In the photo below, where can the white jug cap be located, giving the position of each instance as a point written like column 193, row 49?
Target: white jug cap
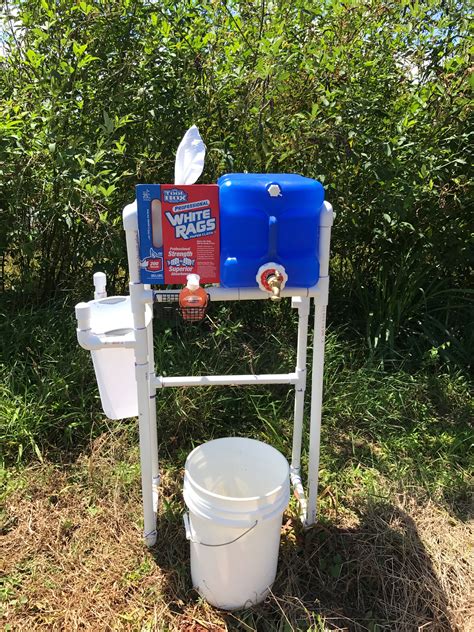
column 193, row 281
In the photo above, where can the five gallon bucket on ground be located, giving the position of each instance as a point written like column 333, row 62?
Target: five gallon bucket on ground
column 236, row 490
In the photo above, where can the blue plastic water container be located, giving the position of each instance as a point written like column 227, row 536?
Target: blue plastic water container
column 265, row 218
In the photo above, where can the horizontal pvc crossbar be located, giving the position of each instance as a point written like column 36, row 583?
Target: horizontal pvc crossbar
column 245, row 293
column 227, row 380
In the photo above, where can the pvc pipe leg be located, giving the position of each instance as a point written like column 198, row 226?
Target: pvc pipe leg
column 316, row 408
column 303, row 313
column 149, row 516
column 295, row 468
column 142, row 369
column 155, row 472
column 295, row 471
column 144, row 373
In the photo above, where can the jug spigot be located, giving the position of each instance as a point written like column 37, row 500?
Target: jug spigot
column 274, row 283
column 272, row 277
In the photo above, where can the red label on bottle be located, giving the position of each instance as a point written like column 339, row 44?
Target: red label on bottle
column 190, row 219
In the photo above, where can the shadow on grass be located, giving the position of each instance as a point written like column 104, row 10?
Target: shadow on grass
column 373, row 576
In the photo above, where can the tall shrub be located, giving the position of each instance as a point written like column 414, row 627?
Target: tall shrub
column 370, row 97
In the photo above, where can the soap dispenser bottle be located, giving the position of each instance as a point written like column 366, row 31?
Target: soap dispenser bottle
column 193, row 299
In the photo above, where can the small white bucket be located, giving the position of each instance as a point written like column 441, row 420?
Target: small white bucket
column 115, row 367
column 236, row 490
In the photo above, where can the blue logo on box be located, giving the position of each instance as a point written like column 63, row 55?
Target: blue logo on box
column 175, row 196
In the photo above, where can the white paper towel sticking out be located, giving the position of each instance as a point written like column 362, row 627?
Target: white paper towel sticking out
column 189, row 157
column 187, row 169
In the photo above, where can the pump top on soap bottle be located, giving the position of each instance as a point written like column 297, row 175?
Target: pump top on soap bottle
column 193, row 282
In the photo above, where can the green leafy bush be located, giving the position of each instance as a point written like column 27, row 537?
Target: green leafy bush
column 370, row 97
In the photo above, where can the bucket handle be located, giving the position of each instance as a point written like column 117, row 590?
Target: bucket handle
column 189, row 535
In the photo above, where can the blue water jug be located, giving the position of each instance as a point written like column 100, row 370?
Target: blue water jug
column 265, row 218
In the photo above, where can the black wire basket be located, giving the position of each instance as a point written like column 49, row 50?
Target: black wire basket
column 168, row 309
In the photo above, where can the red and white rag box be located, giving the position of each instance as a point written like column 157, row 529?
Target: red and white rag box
column 185, row 236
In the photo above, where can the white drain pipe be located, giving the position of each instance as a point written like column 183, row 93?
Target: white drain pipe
column 302, row 304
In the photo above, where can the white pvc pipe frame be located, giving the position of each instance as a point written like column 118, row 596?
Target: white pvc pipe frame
column 148, row 382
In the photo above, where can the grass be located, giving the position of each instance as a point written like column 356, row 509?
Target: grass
column 390, row 551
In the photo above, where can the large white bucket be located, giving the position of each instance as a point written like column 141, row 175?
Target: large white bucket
column 115, row 367
column 236, row 490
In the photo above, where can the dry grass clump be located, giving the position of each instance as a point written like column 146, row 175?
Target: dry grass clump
column 73, row 559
